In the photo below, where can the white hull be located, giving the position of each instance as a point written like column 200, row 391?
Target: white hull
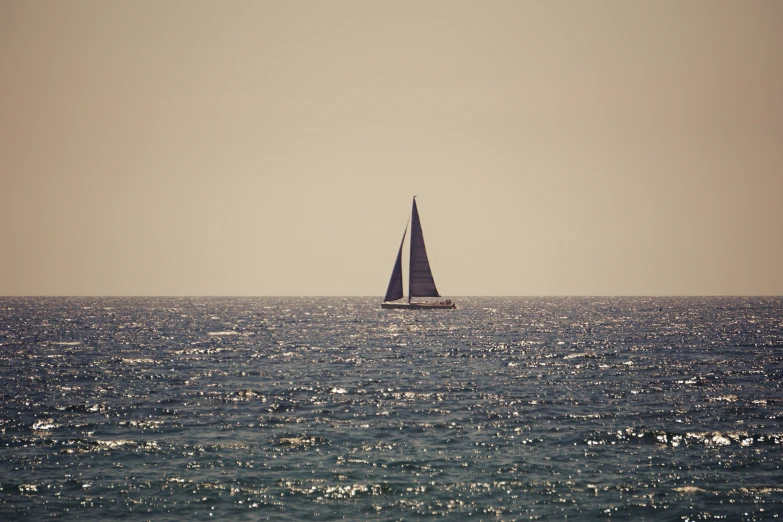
column 418, row 306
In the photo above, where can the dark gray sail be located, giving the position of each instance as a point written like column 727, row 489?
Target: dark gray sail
column 394, row 291
column 420, row 281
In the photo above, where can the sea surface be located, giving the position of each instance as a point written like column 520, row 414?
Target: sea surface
column 331, row 408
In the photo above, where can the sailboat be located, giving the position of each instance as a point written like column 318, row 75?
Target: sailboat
column 420, row 280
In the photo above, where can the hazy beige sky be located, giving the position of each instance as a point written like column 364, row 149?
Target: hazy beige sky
column 272, row 148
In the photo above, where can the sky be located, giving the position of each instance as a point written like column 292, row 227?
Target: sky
column 567, row 147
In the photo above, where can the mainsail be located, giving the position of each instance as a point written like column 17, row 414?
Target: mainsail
column 394, row 291
column 420, row 281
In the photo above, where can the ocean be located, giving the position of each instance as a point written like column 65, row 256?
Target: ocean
column 326, row 408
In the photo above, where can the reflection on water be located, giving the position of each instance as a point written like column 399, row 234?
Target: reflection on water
column 300, row 408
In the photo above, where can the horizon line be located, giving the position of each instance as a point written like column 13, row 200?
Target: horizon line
column 233, row 296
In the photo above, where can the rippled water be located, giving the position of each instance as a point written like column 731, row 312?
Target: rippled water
column 310, row 408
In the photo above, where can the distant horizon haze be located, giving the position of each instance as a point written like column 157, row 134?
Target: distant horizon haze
column 254, row 148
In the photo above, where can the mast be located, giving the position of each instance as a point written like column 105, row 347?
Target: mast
column 420, row 280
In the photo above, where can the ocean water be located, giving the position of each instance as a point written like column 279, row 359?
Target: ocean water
column 330, row 408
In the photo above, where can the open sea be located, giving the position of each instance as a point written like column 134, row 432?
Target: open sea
column 331, row 408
